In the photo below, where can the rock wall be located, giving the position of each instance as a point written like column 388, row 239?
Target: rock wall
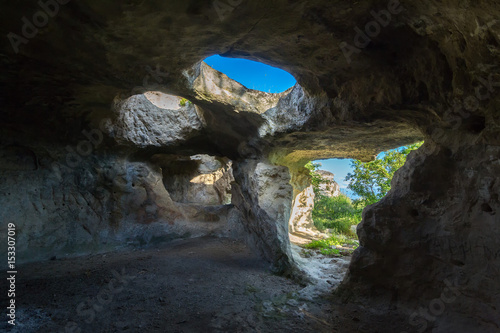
column 139, row 123
column 107, row 202
column 428, row 238
column 301, row 216
column 328, row 187
column 263, row 195
column 77, row 138
column 303, row 204
column 84, row 198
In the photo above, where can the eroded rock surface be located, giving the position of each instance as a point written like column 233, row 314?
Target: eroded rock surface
column 140, row 123
column 301, row 216
column 432, row 224
column 263, row 195
column 301, row 221
column 77, row 174
column 328, row 187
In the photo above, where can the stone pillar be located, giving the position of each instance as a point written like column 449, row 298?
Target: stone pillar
column 263, row 195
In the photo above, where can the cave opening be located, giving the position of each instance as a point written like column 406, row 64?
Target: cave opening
column 198, row 179
column 107, row 208
column 325, row 215
column 253, row 74
column 199, row 188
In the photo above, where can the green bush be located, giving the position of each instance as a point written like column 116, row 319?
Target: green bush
column 336, row 213
column 328, row 247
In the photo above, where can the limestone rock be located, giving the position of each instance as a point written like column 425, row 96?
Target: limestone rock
column 198, row 179
column 301, row 216
column 431, row 73
column 438, row 207
column 328, row 187
column 216, row 87
column 263, row 196
column 141, row 123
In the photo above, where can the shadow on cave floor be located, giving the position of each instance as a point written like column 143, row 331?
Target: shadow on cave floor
column 195, row 285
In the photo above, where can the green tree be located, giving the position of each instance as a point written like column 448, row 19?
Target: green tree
column 336, row 213
column 371, row 181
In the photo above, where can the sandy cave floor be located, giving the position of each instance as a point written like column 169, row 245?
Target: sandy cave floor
column 194, row 285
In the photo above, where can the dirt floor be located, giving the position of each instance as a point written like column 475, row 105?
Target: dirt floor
column 194, row 285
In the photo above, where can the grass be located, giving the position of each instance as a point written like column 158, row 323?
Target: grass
column 338, row 215
column 328, row 246
column 335, row 215
column 330, row 252
column 334, row 240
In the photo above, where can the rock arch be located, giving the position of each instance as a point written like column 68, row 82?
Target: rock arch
column 432, row 73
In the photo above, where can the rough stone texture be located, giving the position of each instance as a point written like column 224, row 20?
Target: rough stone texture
column 301, row 216
column 99, row 205
column 216, row 87
column 397, row 89
column 438, row 226
column 303, row 204
column 263, row 195
column 140, row 123
column 198, row 179
column 328, row 187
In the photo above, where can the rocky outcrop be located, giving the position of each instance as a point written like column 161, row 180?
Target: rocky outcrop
column 198, row 179
column 432, row 224
column 103, row 203
column 77, row 137
column 262, row 193
column 301, row 217
column 140, row 123
column 328, row 187
column 301, row 221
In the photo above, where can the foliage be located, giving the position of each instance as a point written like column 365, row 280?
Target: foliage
column 316, row 178
column 336, row 213
column 334, row 240
column 183, row 102
column 371, row 181
column 327, row 246
column 330, row 252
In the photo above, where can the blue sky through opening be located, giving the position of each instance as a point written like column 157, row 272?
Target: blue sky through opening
column 340, row 168
column 252, row 74
column 258, row 76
